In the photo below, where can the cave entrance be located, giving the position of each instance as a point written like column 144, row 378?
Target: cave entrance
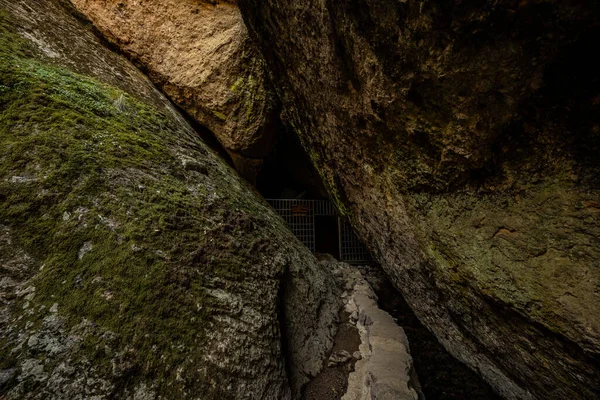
column 294, row 189
column 319, row 226
column 327, row 235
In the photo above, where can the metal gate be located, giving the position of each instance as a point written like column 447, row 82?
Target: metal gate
column 352, row 250
column 300, row 217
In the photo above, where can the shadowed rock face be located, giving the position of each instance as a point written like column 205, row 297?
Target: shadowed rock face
column 199, row 54
column 134, row 263
column 461, row 139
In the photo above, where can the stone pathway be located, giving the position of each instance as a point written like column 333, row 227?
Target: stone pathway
column 371, row 357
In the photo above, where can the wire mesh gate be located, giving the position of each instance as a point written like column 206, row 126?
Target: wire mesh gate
column 300, row 217
column 352, row 250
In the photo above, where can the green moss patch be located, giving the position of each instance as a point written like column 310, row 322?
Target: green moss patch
column 93, row 185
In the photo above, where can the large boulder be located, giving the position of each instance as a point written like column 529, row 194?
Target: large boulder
column 134, row 263
column 462, row 139
column 200, row 55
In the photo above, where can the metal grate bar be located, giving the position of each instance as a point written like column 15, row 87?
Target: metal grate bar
column 324, row 208
column 300, row 217
column 351, row 249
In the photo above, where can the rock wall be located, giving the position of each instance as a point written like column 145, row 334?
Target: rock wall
column 199, row 54
column 461, row 139
column 134, row 263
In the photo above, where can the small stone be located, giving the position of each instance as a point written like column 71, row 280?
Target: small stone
column 54, row 308
column 33, row 341
column 21, row 179
column 192, row 165
column 86, row 248
column 339, row 357
column 33, row 368
column 142, row 392
column 7, row 282
column 26, row 291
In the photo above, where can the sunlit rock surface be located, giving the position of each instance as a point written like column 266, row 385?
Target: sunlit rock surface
column 199, row 54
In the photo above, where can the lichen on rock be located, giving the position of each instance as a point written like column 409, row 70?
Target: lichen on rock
column 200, row 54
column 461, row 140
column 133, row 261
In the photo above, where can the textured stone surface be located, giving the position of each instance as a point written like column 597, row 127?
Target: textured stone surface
column 199, row 53
column 371, row 356
column 384, row 369
column 134, row 263
column 461, row 139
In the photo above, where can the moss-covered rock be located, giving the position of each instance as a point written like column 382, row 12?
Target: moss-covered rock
column 462, row 139
column 133, row 261
column 200, row 54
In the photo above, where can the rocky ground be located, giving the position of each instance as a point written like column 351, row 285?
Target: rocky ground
column 371, row 357
column 442, row 376
column 375, row 314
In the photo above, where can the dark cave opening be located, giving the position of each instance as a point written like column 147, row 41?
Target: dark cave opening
column 288, row 173
column 327, row 238
column 294, row 188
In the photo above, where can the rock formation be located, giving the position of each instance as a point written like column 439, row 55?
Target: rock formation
column 385, row 367
column 199, row 54
column 370, row 358
column 462, row 140
column 134, row 263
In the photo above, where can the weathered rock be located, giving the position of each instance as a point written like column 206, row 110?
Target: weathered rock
column 370, row 358
column 385, row 367
column 461, row 139
column 340, row 357
column 134, row 263
column 199, row 54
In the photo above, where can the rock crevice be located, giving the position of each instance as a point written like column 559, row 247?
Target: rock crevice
column 458, row 139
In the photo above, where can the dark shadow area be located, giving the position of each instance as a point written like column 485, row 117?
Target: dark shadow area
column 288, row 172
column 442, row 376
column 332, row 382
column 207, row 136
column 327, row 239
column 572, row 92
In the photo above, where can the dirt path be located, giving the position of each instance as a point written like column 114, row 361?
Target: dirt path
column 371, row 356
